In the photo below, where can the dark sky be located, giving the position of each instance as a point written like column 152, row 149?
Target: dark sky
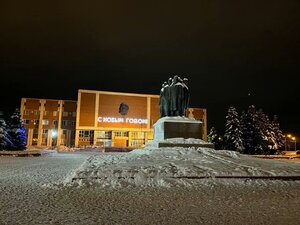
column 228, row 49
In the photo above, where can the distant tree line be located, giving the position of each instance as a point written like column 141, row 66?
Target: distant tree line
column 252, row 132
column 12, row 133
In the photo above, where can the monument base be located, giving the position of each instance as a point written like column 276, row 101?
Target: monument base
column 177, row 127
column 178, row 132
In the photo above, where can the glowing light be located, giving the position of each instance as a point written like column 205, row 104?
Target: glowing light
column 54, row 133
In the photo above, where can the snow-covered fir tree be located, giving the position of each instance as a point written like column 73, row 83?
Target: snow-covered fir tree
column 268, row 136
column 233, row 134
column 5, row 140
column 251, row 132
column 279, row 137
column 17, row 131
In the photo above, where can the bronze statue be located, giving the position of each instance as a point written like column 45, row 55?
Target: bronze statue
column 164, row 100
column 174, row 97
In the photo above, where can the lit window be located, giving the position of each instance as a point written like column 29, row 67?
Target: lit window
column 137, row 143
column 45, row 122
column 26, row 122
column 121, row 134
column 84, row 133
column 55, row 113
column 104, row 135
column 86, row 136
column 137, row 135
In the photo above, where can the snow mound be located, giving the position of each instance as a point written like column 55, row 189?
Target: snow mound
column 184, row 141
column 176, row 141
column 168, row 167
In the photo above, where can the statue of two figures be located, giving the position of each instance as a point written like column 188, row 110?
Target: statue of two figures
column 174, row 97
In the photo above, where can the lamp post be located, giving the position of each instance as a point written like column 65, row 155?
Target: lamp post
column 294, row 140
column 285, row 140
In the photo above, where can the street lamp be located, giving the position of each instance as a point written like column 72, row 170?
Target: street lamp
column 291, row 139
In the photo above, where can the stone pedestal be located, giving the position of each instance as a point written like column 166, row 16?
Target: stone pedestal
column 183, row 132
column 177, row 127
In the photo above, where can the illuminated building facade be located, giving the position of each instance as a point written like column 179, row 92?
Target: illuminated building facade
column 49, row 122
column 98, row 118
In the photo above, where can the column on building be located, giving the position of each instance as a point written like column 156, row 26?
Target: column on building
column 59, row 130
column 40, row 129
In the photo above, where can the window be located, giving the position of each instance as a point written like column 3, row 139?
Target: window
column 55, row 123
column 26, row 122
column 35, row 136
column 54, row 113
column 138, row 135
column 65, row 114
column 74, row 114
column 45, row 122
column 121, row 134
column 36, row 122
column 26, row 112
column 36, row 112
column 64, row 123
column 45, row 137
column 69, row 123
column 137, row 143
column 86, row 136
column 46, row 113
column 86, row 133
column 104, row 135
column 73, row 123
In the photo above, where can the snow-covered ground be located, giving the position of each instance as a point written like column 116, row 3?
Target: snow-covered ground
column 169, row 167
column 32, row 190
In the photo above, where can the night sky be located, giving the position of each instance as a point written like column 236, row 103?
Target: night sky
column 233, row 52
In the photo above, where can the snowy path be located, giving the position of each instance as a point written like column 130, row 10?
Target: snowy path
column 48, row 169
